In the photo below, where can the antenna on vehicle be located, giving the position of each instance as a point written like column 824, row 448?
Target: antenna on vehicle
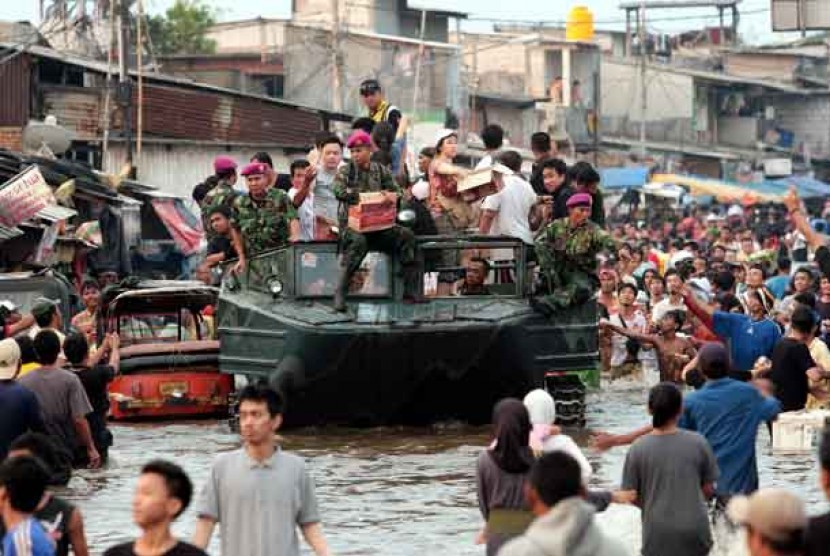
column 46, row 138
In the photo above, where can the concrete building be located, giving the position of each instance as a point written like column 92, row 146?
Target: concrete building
column 183, row 124
column 401, row 18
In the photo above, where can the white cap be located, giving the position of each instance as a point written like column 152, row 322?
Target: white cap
column 9, row 358
column 8, row 305
column 443, row 134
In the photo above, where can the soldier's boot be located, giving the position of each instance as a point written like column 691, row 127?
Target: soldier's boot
column 341, row 289
column 412, row 290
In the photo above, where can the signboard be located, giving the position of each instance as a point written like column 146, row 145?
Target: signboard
column 24, row 196
column 800, row 15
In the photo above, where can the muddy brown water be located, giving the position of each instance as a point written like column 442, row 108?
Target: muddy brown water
column 398, row 491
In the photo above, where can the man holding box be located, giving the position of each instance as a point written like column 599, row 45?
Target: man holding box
column 362, row 175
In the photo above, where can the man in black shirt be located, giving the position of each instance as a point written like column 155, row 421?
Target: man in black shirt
column 791, row 361
column 94, row 377
column 220, row 248
column 542, row 149
column 555, row 184
column 163, row 493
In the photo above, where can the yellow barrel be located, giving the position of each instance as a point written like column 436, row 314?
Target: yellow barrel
column 580, row 24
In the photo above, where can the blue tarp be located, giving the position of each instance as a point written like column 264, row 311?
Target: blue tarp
column 623, row 178
column 807, row 187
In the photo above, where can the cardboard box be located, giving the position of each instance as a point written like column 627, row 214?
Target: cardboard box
column 477, row 185
column 373, row 213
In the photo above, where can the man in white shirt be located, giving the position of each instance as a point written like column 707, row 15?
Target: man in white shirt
column 507, row 212
column 674, row 301
column 302, row 196
column 493, row 137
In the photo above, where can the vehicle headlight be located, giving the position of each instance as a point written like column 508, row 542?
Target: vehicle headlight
column 275, row 286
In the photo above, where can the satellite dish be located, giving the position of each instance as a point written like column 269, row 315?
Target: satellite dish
column 46, row 138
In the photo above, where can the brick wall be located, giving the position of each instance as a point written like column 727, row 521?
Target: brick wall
column 11, row 138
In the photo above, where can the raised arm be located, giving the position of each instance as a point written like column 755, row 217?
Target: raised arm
column 702, row 311
column 633, row 334
column 793, row 204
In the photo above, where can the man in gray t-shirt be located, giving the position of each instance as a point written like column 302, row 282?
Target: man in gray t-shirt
column 669, row 472
column 63, row 401
column 259, row 494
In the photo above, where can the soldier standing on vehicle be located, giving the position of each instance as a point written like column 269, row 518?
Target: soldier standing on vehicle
column 567, row 251
column 359, row 176
column 265, row 218
column 222, row 194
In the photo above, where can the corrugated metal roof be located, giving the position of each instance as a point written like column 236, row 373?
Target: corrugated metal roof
column 176, row 112
column 54, row 213
column 149, row 77
column 78, row 109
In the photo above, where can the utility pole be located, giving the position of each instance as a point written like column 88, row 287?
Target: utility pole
column 417, row 88
column 125, row 89
column 643, row 92
column 336, row 59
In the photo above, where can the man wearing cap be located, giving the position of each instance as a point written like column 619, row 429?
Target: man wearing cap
column 265, row 218
column 48, row 316
column 362, row 175
column 381, row 111
column 775, row 522
column 19, row 408
column 222, row 194
column 567, row 252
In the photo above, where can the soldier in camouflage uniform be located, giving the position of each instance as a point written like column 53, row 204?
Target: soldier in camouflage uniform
column 265, row 218
column 360, row 176
column 567, row 251
column 221, row 194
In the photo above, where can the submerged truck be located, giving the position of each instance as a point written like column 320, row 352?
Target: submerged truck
column 388, row 361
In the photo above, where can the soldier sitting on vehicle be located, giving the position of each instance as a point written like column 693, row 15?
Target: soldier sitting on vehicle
column 264, row 219
column 362, row 175
column 221, row 194
column 567, row 251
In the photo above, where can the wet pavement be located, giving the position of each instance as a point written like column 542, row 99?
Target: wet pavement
column 390, row 491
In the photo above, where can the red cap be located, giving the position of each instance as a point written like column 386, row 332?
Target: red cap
column 223, row 164
column 255, row 169
column 579, row 200
column 359, row 139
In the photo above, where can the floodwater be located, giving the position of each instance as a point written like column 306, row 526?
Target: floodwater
column 391, row 491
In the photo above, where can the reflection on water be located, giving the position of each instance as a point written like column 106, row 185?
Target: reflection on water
column 390, row 490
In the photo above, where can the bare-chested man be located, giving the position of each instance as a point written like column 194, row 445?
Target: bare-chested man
column 673, row 351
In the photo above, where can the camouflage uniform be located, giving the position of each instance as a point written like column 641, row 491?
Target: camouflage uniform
column 355, row 244
column 265, row 223
column 568, row 262
column 221, row 194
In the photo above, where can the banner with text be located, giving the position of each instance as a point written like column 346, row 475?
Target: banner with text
column 24, row 196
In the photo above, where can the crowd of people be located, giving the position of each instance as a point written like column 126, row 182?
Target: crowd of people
column 724, row 302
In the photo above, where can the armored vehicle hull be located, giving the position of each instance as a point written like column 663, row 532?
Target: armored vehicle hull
column 389, row 362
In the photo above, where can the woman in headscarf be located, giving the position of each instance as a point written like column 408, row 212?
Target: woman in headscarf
column 544, row 437
column 501, row 473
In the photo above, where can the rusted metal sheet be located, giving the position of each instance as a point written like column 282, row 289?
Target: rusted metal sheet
column 191, row 114
column 15, row 90
column 75, row 108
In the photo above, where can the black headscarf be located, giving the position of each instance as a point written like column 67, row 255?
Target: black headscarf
column 512, row 451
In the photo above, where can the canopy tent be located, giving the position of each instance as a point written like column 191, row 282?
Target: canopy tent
column 623, row 178
column 807, row 187
column 724, row 192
